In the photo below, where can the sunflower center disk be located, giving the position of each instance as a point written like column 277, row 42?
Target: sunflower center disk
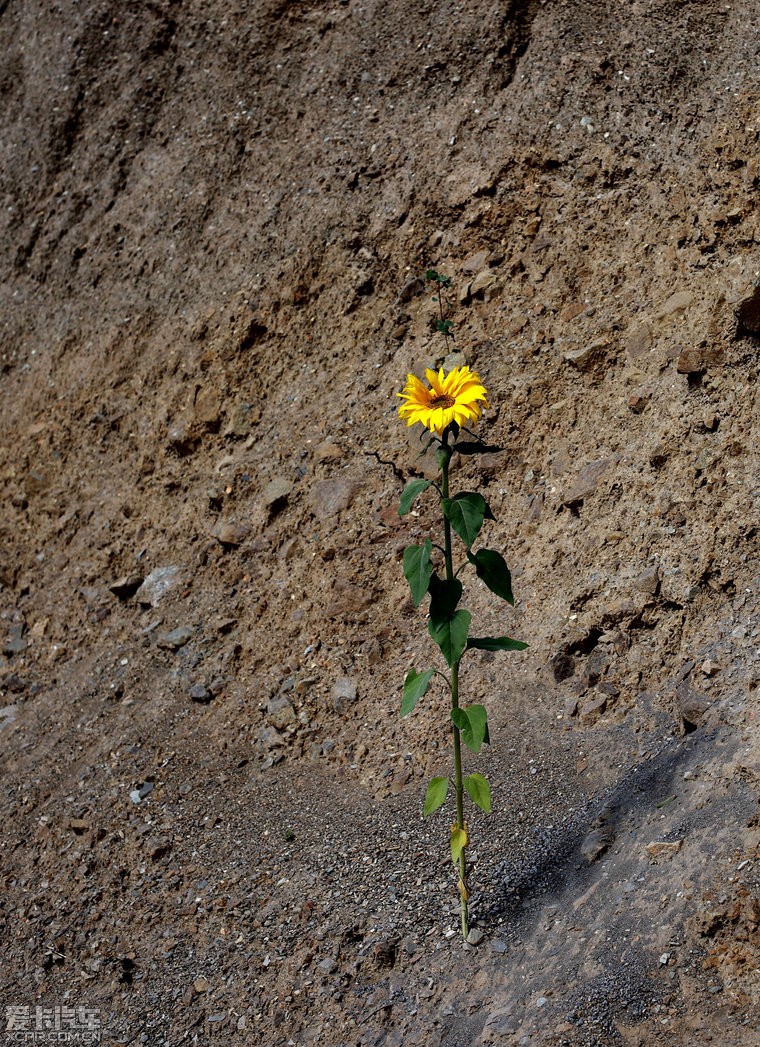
column 442, row 401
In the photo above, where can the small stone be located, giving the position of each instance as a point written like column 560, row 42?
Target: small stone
column 587, row 480
column 327, row 966
column 499, row 946
column 677, row 303
column 475, row 936
column 541, row 1001
column 201, row 984
column 694, row 361
column 280, row 712
column 485, row 279
column 571, row 311
column 592, row 709
column 156, row 586
column 208, row 406
column 330, row 497
column 276, row 492
column 327, row 451
column 158, row 847
column 343, row 693
column 662, row 850
column 198, row 693
column 176, row 638
column 242, row 419
column 78, row 826
column 638, row 400
column 664, row 958
column 231, row 532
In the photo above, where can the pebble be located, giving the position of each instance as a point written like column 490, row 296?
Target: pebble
column 475, row 936
column 198, row 693
column 330, row 497
column 276, row 491
column 343, row 693
column 176, row 638
column 280, row 712
column 677, row 303
column 157, row 585
column 661, row 849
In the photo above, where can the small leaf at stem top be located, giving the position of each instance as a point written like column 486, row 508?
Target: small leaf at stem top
column 496, row 643
column 451, row 635
column 435, row 795
column 472, row 723
column 479, row 791
column 418, row 569
column 492, row 569
column 466, row 513
column 415, row 685
column 411, row 492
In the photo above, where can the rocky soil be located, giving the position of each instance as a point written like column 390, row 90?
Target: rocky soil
column 214, row 223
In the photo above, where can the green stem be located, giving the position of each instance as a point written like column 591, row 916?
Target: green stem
column 458, row 784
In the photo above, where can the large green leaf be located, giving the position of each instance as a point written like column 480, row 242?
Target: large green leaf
column 496, row 643
column 492, row 569
column 418, row 569
column 415, row 685
column 411, row 492
column 435, row 795
column 450, row 633
column 445, row 595
column 473, row 725
column 466, row 513
column 480, row 791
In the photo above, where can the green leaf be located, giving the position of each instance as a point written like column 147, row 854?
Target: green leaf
column 492, row 569
column 435, row 795
column 466, row 513
column 415, row 685
column 450, row 634
column 444, row 326
column 431, row 274
column 472, row 723
column 480, row 791
column 418, row 569
column 412, row 491
column 444, row 597
column 458, row 842
column 496, row 643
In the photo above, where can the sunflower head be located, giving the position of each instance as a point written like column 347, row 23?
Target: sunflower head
column 453, row 397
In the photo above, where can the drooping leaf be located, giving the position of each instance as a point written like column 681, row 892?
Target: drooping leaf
column 435, row 795
column 458, row 842
column 450, row 634
column 464, row 894
column 444, row 597
column 418, row 569
column 496, row 643
column 411, row 492
column 479, row 790
column 415, row 685
column 472, row 723
column 492, row 569
column 466, row 513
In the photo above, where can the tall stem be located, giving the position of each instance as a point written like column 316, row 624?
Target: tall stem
column 458, row 785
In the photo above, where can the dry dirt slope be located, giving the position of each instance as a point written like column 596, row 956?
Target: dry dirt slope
column 212, row 223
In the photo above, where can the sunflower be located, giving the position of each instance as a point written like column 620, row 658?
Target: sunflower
column 454, row 397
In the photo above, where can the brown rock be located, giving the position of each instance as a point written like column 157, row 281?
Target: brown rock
column 662, row 850
column 330, row 497
column 587, row 480
column 692, row 361
column 677, row 303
